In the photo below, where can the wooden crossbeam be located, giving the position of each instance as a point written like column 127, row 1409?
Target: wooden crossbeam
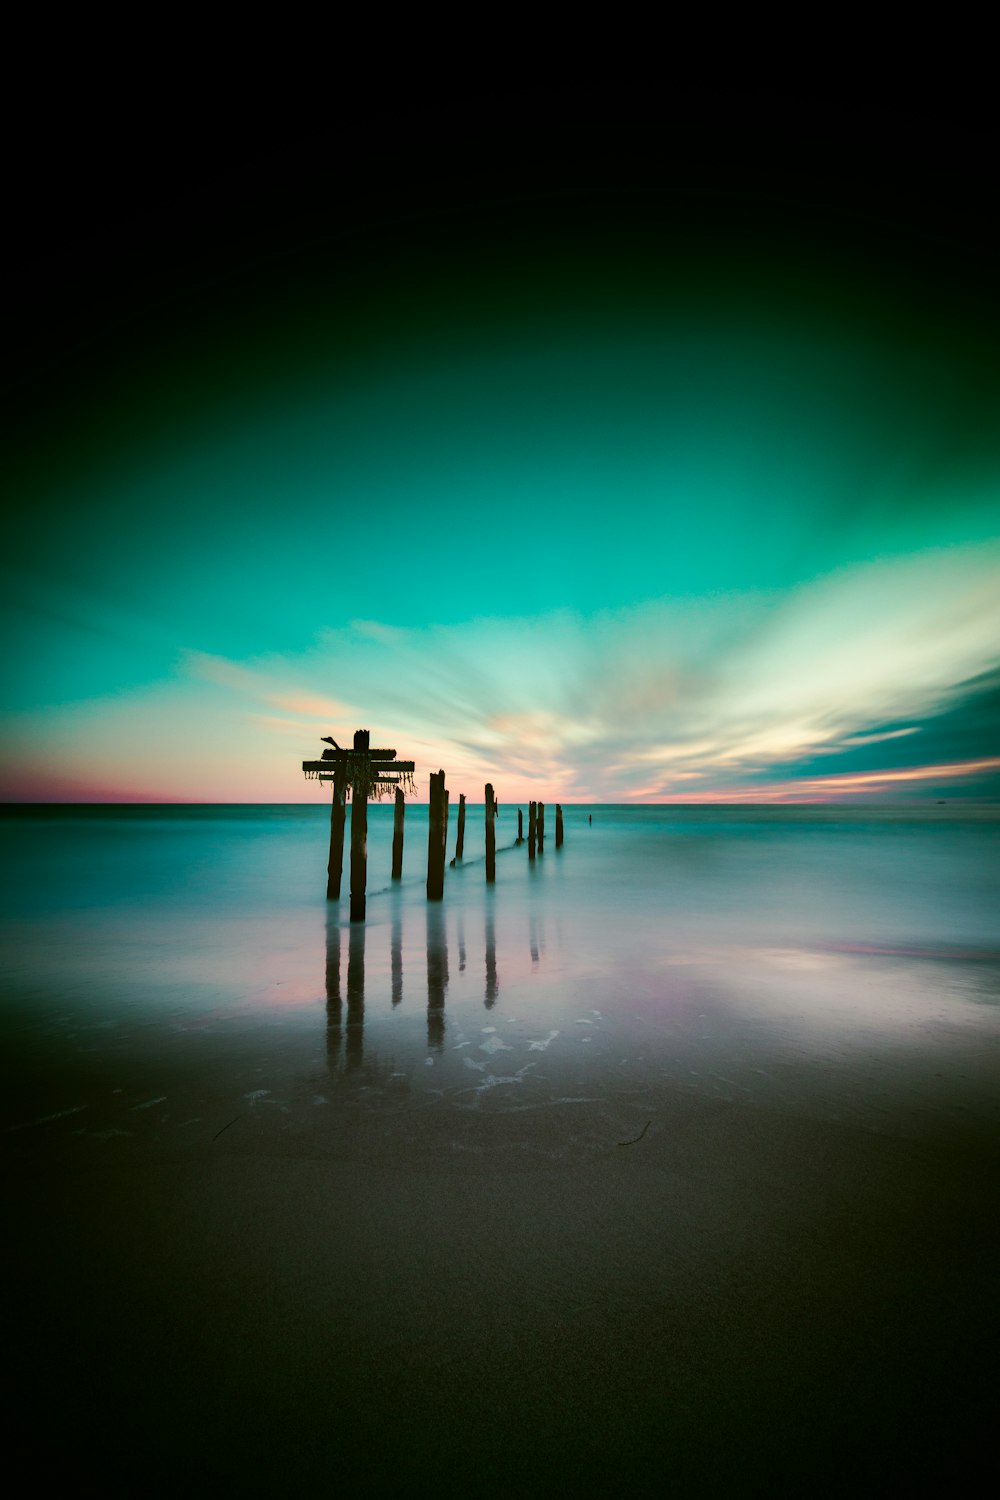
column 359, row 755
column 378, row 766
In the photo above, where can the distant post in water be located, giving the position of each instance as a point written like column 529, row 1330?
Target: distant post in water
column 491, row 836
column 532, row 828
column 559, row 825
column 541, row 826
column 335, row 865
column 359, row 834
column 520, row 826
column 397, row 836
column 437, row 833
column 460, row 841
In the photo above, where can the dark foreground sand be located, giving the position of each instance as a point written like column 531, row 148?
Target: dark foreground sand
column 738, row 1303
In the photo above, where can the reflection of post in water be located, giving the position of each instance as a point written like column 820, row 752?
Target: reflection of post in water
column 492, row 983
column 334, row 1003
column 461, row 943
column 437, row 976
column 536, row 935
column 397, row 956
column 355, row 995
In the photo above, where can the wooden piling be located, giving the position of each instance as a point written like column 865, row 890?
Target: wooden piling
column 491, row 836
column 335, row 864
column 532, row 828
column 559, row 825
column 397, row 836
column 520, row 826
column 359, row 853
column 359, row 835
column 437, row 832
column 541, row 826
column 460, row 841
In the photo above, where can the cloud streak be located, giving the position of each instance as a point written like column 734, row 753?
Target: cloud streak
column 839, row 687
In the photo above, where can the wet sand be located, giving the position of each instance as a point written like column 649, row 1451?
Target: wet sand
column 727, row 1304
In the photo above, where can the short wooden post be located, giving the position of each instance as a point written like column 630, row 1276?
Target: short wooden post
column 359, row 834
column 491, row 836
column 437, row 832
column 532, row 828
column 460, row 841
column 397, row 836
column 559, row 825
column 520, row 826
column 335, row 865
column 541, row 826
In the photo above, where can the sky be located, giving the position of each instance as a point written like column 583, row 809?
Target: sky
column 606, row 448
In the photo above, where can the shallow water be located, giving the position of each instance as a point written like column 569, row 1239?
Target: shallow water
column 176, row 971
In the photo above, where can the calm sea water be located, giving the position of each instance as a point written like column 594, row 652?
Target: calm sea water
column 172, row 969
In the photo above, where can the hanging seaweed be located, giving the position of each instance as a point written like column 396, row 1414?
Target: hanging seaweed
column 378, row 779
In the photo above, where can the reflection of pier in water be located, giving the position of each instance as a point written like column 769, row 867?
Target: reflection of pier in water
column 345, row 983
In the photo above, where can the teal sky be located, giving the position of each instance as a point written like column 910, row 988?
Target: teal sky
column 704, row 506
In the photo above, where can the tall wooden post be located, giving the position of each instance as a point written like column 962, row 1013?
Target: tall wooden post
column 559, row 825
column 437, row 832
column 359, row 834
column 460, row 841
column 520, row 826
column 335, row 865
column 532, row 828
column 491, row 836
column 397, row 836
column 541, row 826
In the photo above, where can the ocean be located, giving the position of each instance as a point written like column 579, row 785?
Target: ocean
column 666, row 1163
column 842, row 963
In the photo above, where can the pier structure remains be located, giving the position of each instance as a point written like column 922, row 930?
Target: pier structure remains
column 361, row 773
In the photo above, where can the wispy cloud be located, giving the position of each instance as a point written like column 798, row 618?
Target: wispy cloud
column 735, row 696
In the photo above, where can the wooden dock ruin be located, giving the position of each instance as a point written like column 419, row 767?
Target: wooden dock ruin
column 361, row 773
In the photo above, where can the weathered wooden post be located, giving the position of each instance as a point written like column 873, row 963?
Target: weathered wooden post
column 437, row 833
column 397, row 836
column 559, row 825
column 359, row 831
column 363, row 772
column 532, row 828
column 335, row 865
column 491, row 836
column 541, row 826
column 460, row 840
column 520, row 826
